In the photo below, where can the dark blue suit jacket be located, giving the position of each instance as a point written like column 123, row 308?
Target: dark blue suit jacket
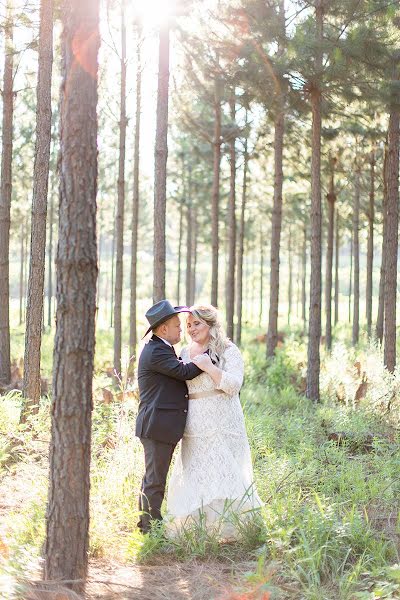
column 163, row 392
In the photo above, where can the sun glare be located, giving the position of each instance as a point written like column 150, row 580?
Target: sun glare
column 156, row 12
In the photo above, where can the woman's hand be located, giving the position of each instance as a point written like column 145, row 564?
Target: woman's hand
column 203, row 361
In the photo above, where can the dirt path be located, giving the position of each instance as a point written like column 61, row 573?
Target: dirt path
column 110, row 580
column 175, row 581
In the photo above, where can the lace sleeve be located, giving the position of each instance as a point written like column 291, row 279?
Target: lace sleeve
column 233, row 371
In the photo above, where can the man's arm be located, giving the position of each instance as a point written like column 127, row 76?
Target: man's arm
column 164, row 361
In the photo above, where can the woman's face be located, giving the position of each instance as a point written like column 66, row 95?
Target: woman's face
column 198, row 330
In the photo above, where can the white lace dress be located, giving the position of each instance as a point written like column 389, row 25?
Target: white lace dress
column 212, row 477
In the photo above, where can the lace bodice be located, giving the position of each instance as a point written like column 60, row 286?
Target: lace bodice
column 232, row 377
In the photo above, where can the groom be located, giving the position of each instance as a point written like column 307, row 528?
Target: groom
column 163, row 404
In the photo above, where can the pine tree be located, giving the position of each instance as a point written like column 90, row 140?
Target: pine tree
column 5, row 197
column 67, row 522
column 33, row 335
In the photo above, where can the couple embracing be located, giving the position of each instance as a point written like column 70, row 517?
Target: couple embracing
column 193, row 398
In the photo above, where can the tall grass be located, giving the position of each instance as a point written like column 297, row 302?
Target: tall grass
column 329, row 527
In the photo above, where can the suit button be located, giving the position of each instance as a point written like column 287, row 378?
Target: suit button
column 185, row 410
column 186, row 395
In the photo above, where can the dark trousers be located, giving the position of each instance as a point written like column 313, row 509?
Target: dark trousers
column 157, row 459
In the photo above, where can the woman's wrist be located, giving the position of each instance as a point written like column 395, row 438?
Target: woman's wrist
column 215, row 374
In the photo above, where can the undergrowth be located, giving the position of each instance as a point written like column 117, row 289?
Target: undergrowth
column 328, row 474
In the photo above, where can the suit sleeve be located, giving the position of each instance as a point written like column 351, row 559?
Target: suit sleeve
column 165, row 362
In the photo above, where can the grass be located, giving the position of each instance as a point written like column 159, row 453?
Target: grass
column 330, row 524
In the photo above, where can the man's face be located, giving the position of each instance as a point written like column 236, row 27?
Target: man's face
column 171, row 330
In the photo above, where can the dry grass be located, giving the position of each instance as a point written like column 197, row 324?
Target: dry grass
column 189, row 581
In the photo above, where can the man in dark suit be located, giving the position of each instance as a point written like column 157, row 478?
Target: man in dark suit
column 163, row 405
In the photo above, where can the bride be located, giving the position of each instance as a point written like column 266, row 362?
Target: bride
column 212, row 477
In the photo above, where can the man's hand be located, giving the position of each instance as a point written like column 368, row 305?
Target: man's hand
column 203, row 361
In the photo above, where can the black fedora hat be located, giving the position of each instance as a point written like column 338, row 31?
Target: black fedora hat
column 162, row 311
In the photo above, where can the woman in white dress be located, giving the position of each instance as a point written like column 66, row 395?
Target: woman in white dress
column 212, row 477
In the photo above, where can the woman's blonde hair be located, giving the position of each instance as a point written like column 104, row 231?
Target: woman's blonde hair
column 218, row 343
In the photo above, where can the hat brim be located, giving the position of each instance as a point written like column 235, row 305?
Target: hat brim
column 177, row 310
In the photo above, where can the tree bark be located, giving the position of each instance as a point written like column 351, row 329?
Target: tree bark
column 351, row 276
column 261, row 310
column 119, row 274
column 337, row 246
column 356, row 253
column 21, row 274
column 189, row 240
column 370, row 247
column 304, row 279
column 67, row 522
column 194, row 256
column 215, row 190
column 33, row 337
column 240, row 250
column 331, row 199
column 160, row 169
column 135, row 203
column 381, row 301
column 180, row 239
column 50, row 261
column 276, row 227
column 392, row 237
column 114, row 234
column 313, row 362
column 5, row 198
column 290, row 282
column 230, row 288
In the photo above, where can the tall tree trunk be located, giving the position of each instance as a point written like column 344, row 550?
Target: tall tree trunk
column 114, row 233
column 50, row 261
column 276, row 227
column 240, row 250
column 215, row 189
column 370, row 248
column 5, row 198
column 331, row 198
column 179, row 278
column 160, row 168
column 298, row 284
column 392, row 237
column 313, row 362
column 356, row 252
column 21, row 274
column 67, row 522
column 135, row 202
column 119, row 275
column 290, row 282
column 230, row 289
column 260, row 313
column 276, row 223
column 351, row 276
column 337, row 246
column 99, row 263
column 189, row 241
column 26, row 270
column 33, row 337
column 381, row 301
column 194, row 257
column 246, row 282
column 304, row 279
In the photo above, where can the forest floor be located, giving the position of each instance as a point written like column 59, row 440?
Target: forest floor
column 329, row 475
column 110, row 579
